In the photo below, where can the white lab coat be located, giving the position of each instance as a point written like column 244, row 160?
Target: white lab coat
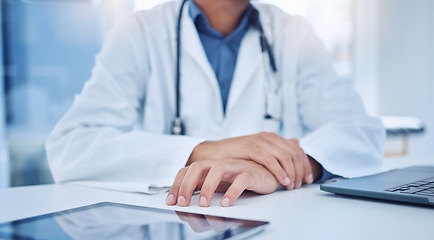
column 117, row 133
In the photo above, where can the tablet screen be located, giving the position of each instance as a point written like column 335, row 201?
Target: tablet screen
column 119, row 221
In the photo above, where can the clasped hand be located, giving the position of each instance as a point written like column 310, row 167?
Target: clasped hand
column 259, row 163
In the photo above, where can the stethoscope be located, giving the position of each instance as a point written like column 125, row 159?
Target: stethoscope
column 178, row 127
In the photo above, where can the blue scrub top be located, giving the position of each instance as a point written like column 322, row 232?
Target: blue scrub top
column 222, row 51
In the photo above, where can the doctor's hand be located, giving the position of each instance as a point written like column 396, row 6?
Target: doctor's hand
column 284, row 158
column 231, row 176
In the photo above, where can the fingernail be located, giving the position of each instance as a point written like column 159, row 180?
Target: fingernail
column 170, row 199
column 286, row 181
column 225, row 202
column 181, row 201
column 202, row 201
column 292, row 186
column 299, row 185
column 310, row 178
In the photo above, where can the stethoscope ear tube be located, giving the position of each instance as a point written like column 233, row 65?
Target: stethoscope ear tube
column 178, row 127
column 265, row 47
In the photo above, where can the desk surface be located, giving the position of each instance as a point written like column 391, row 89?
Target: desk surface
column 306, row 213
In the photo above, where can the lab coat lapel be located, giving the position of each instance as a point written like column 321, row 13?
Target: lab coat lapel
column 192, row 46
column 248, row 63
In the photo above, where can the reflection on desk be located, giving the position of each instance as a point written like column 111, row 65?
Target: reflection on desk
column 118, row 221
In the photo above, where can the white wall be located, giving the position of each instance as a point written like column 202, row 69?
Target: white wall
column 406, row 65
column 366, row 53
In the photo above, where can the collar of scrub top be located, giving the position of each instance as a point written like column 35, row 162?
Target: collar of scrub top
column 177, row 124
column 250, row 18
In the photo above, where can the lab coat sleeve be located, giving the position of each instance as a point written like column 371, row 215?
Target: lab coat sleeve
column 97, row 142
column 339, row 133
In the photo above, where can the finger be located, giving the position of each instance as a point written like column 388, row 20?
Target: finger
column 308, row 177
column 295, row 141
column 212, row 181
column 271, row 163
column 283, row 156
column 286, row 159
column 191, row 179
column 172, row 196
column 297, row 159
column 240, row 183
column 200, row 183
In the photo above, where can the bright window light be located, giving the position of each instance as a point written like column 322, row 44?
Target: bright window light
column 147, row 4
column 333, row 21
column 291, row 6
column 297, row 7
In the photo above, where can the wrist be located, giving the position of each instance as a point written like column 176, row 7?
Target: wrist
column 198, row 153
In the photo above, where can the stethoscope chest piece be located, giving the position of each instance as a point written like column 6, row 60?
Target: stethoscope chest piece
column 178, row 127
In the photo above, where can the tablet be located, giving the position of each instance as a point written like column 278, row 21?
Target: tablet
column 119, row 221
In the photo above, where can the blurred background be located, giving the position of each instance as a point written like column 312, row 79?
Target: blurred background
column 382, row 47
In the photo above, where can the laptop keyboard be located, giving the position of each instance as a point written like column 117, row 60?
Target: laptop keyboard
column 424, row 187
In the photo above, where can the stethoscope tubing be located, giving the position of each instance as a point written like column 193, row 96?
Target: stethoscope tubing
column 177, row 128
column 177, row 125
column 178, row 60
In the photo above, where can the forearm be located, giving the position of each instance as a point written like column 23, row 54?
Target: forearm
column 196, row 154
column 108, row 155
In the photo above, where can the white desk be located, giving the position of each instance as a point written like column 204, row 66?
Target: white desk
column 307, row 213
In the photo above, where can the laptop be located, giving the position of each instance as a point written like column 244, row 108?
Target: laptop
column 411, row 185
column 119, row 221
